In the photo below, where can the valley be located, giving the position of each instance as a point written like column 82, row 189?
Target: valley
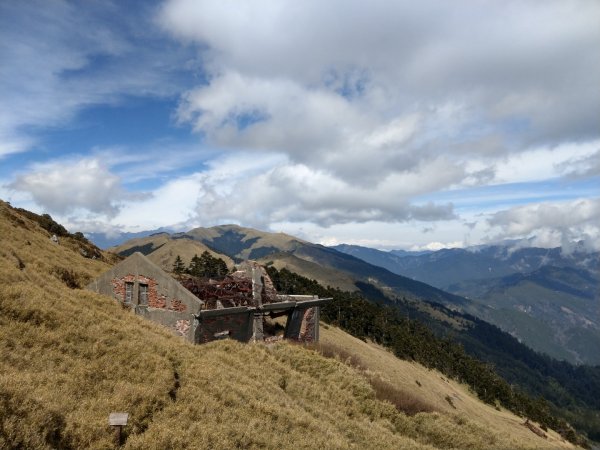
column 545, row 298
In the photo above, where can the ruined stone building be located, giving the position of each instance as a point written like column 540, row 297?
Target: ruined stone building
column 243, row 306
column 150, row 292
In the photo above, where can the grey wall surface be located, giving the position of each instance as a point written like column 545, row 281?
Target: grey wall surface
column 167, row 302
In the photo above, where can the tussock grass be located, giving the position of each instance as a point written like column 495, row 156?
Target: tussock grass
column 69, row 357
column 404, row 400
column 469, row 424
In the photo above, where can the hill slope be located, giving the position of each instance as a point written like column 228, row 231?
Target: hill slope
column 69, row 357
column 546, row 299
column 162, row 250
column 553, row 309
column 409, row 377
column 573, row 392
column 538, row 375
column 446, row 267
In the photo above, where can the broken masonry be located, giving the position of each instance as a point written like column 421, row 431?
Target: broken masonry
column 244, row 305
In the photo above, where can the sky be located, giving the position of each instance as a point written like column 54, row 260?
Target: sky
column 390, row 124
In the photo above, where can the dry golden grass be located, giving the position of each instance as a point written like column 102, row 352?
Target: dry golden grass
column 432, row 388
column 167, row 249
column 283, row 242
column 325, row 276
column 69, row 357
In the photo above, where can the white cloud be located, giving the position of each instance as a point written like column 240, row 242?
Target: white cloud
column 581, row 166
column 434, row 246
column 323, row 117
column 365, row 94
column 63, row 187
column 552, row 224
column 172, row 204
column 295, row 192
column 544, row 163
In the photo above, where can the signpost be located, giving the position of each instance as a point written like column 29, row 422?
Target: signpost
column 118, row 421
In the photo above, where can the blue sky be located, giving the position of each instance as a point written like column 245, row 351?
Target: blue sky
column 390, row 124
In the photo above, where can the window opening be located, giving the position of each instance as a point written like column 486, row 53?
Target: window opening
column 143, row 294
column 128, row 292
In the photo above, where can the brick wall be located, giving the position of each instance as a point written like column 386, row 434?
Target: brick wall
column 182, row 327
column 118, row 285
column 307, row 329
column 154, row 299
column 177, row 305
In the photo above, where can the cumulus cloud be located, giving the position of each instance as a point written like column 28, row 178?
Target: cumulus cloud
column 552, row 224
column 379, row 88
column 64, row 187
column 297, row 193
column 333, row 114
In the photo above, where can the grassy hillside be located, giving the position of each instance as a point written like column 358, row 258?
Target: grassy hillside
column 70, row 357
column 441, row 393
column 245, row 243
column 162, row 250
column 324, row 275
column 564, row 392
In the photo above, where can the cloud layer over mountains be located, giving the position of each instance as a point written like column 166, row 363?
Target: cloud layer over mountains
column 319, row 116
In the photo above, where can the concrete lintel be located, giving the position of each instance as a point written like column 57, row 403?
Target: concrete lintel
column 281, row 306
column 311, row 303
column 225, row 311
column 296, row 297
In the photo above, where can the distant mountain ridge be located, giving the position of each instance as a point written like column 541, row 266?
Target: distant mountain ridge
column 445, row 267
column 107, row 240
column 279, row 249
column 545, row 297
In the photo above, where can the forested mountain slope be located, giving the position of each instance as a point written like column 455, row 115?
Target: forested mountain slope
column 546, row 298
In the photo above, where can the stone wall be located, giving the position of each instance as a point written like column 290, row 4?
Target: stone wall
column 169, row 303
column 309, row 326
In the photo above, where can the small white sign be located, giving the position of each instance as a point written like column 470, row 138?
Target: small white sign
column 118, row 419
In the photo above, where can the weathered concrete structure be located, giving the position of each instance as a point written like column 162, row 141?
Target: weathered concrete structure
column 246, row 319
column 236, row 307
column 140, row 284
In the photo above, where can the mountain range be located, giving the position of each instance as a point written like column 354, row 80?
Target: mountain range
column 326, row 265
column 547, row 298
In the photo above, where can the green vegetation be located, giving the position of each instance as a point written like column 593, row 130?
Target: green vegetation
column 76, row 241
column 178, row 266
column 205, row 266
column 410, row 339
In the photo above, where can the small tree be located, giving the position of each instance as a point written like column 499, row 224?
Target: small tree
column 178, row 266
column 195, row 267
column 220, row 268
column 207, row 266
